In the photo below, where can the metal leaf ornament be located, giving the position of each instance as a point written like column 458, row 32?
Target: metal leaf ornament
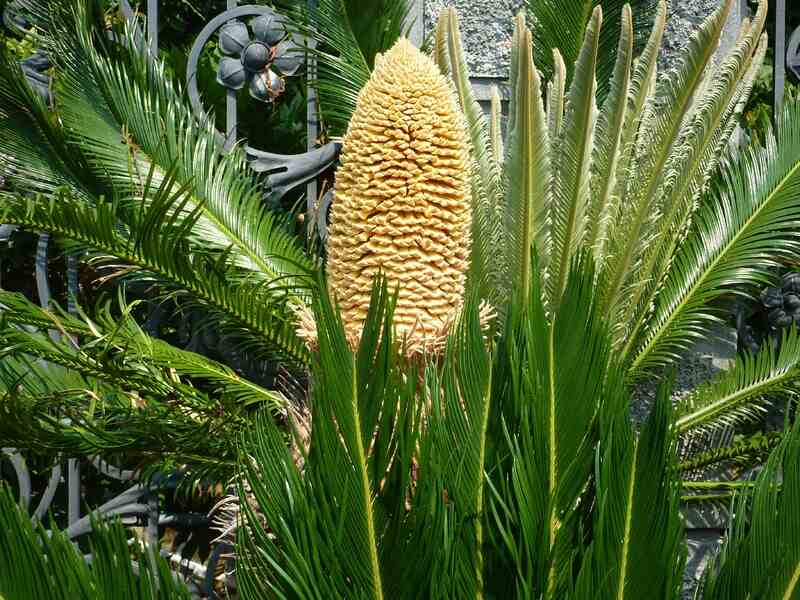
column 258, row 56
column 777, row 308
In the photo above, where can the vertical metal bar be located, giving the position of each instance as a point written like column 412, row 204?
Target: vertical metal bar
column 780, row 58
column 73, row 490
column 739, row 139
column 416, row 23
column 231, row 117
column 312, row 132
column 152, row 519
column 152, row 27
column 72, row 284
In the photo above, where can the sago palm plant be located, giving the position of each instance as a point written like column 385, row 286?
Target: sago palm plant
column 500, row 461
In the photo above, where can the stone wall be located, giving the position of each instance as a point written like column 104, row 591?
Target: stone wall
column 486, row 27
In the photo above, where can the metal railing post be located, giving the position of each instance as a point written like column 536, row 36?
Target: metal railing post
column 152, row 27
column 231, row 116
column 779, row 76
column 312, row 132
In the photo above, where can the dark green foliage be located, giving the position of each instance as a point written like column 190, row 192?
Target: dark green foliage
column 35, row 565
column 761, row 558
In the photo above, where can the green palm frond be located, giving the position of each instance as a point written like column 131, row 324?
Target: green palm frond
column 527, row 167
column 150, row 243
column 751, row 449
column 134, row 125
column 117, row 333
column 573, row 163
column 99, row 406
column 761, row 557
column 38, row 565
column 459, row 422
column 743, row 392
column 154, row 126
column 749, row 228
column 33, row 149
column 561, row 25
column 334, row 502
column 550, row 381
column 635, row 552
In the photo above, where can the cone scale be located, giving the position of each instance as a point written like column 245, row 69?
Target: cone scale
column 402, row 205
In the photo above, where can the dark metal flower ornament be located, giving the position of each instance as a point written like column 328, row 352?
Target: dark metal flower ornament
column 258, row 56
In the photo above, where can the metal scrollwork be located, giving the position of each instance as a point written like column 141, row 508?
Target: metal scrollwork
column 793, row 54
column 258, row 55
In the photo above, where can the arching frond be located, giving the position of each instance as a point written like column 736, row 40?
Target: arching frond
column 743, row 392
column 573, row 163
column 527, row 169
column 748, row 229
column 132, row 124
column 154, row 248
column 108, row 334
column 33, row 150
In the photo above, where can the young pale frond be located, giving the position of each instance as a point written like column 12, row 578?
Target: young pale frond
column 749, row 228
column 36, row 564
column 484, row 149
column 744, row 391
column 639, row 111
column 556, row 90
column 608, row 147
column 573, row 163
column 635, row 551
column 527, row 169
column 656, row 142
column 154, row 248
column 692, row 164
column 761, row 556
column 561, row 25
column 496, row 127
